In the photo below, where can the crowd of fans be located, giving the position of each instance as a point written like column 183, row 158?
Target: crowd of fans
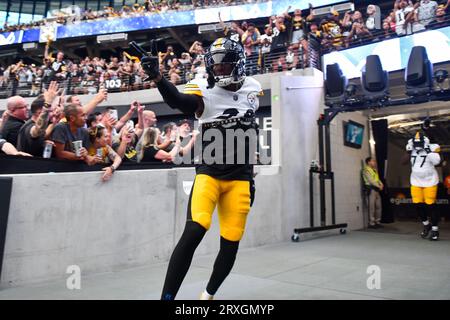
column 76, row 132
column 74, row 14
column 89, row 74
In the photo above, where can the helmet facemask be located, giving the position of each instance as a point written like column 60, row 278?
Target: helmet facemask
column 225, row 63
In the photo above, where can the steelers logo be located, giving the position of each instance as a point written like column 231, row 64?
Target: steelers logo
column 252, row 99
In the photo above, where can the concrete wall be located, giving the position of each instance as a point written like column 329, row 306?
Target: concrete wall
column 347, row 163
column 57, row 220
column 297, row 105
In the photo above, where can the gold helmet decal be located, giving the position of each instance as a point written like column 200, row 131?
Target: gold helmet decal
column 218, row 43
column 417, row 137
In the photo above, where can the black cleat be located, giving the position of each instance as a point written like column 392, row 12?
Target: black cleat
column 426, row 231
column 434, row 235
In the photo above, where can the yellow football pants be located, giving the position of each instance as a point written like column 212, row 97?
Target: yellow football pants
column 424, row 194
column 232, row 198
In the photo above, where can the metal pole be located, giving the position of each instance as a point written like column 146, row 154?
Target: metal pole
column 20, row 11
column 333, row 207
column 329, row 170
column 327, row 147
column 47, row 4
column 33, row 11
column 8, row 9
column 321, row 176
column 311, row 198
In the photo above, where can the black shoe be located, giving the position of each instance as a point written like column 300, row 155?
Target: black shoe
column 372, row 226
column 434, row 235
column 426, row 231
column 378, row 225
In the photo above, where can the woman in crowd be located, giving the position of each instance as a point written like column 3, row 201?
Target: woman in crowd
column 149, row 151
column 100, row 148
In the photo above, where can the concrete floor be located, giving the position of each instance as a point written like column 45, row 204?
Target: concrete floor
column 331, row 266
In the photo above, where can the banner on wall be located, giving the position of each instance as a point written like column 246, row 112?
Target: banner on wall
column 22, row 36
column 156, row 21
column 8, row 38
column 402, row 206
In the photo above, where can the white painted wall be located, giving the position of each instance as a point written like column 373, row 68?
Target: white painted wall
column 347, row 164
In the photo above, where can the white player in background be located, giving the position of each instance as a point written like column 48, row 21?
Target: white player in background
column 424, row 180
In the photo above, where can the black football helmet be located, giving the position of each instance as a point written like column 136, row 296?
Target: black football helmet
column 225, row 51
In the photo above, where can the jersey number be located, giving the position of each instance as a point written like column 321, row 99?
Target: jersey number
column 423, row 161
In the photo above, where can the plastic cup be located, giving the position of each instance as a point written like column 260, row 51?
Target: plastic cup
column 47, row 151
column 77, row 145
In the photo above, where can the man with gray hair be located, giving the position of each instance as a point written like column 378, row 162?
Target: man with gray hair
column 17, row 115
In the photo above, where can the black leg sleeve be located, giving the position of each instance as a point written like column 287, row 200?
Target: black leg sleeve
column 435, row 215
column 181, row 259
column 223, row 264
column 422, row 210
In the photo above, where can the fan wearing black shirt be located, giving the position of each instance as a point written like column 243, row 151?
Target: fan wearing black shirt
column 36, row 130
column 17, row 114
column 57, row 65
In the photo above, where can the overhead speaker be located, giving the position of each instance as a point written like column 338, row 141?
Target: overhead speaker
column 419, row 72
column 335, row 84
column 374, row 80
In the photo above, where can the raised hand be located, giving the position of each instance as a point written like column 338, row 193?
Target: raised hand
column 133, row 106
column 150, row 65
column 140, row 108
column 102, row 95
column 51, row 93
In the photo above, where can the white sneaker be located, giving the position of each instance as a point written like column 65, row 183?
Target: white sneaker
column 206, row 296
